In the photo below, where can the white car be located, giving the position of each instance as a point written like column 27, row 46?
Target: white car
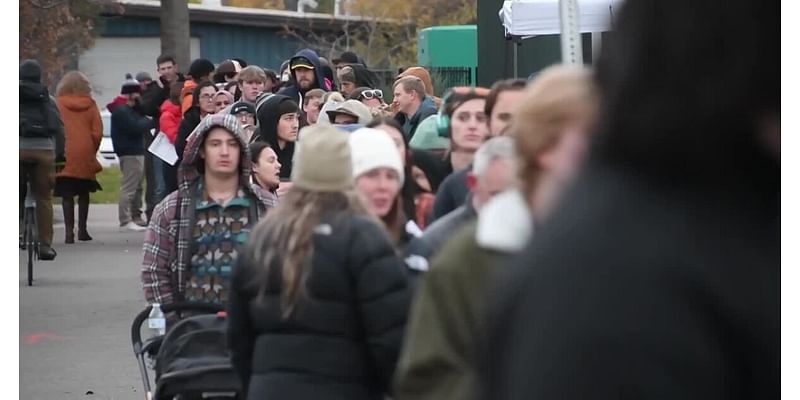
column 106, row 155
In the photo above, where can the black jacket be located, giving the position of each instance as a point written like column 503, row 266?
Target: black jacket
column 344, row 338
column 410, row 124
column 452, row 193
column 128, row 130
column 636, row 289
column 268, row 116
column 190, row 121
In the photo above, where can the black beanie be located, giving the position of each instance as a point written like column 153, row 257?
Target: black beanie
column 130, row 85
column 200, row 68
column 287, row 106
column 30, row 71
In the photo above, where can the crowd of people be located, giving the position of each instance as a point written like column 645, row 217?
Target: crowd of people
column 591, row 232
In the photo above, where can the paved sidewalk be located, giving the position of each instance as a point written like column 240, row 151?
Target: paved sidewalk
column 75, row 320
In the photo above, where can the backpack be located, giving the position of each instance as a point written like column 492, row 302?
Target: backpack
column 35, row 120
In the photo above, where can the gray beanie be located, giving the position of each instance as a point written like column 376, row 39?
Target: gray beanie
column 322, row 160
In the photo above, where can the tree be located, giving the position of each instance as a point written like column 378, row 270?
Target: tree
column 175, row 31
column 386, row 36
column 56, row 32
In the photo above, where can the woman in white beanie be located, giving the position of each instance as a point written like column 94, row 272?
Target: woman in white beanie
column 318, row 301
column 378, row 175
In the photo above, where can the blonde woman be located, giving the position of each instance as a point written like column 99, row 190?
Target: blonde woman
column 83, row 131
column 319, row 299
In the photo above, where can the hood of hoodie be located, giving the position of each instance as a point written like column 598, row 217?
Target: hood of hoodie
column 364, row 77
column 188, row 172
column 420, row 73
column 118, row 101
column 268, row 114
column 188, row 88
column 76, row 103
column 311, row 56
column 30, row 71
column 32, row 91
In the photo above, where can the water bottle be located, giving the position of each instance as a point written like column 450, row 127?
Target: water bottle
column 156, row 320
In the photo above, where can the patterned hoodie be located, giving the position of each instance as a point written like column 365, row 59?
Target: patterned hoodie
column 167, row 240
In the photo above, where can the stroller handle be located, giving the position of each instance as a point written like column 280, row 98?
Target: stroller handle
column 136, row 326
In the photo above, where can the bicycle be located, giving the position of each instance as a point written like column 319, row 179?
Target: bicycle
column 30, row 233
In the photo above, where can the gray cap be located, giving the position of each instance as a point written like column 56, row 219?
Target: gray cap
column 143, row 76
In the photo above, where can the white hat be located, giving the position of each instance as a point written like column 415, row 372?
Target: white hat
column 372, row 148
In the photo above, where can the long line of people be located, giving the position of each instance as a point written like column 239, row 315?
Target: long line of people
column 366, row 250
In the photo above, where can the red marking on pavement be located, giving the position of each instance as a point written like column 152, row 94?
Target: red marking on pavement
column 36, row 337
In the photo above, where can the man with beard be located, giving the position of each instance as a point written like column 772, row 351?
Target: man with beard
column 306, row 74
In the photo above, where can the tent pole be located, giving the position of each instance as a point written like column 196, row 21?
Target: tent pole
column 571, row 45
column 597, row 44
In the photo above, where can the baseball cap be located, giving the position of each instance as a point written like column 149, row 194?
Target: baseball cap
column 242, row 106
column 302, row 62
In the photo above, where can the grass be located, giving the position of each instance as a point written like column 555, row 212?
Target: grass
column 111, row 180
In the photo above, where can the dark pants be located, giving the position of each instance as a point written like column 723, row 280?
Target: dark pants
column 150, row 200
column 40, row 166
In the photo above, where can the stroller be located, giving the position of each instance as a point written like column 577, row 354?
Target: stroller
column 192, row 360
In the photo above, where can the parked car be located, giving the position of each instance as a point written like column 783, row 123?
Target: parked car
column 106, row 155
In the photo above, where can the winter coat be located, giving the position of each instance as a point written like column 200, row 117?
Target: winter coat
column 410, row 124
column 344, row 338
column 31, row 93
column 187, row 95
column 118, row 101
column 189, row 123
column 128, row 130
column 292, row 90
column 83, row 132
column 170, row 120
column 167, row 241
column 268, row 116
column 451, row 193
column 422, row 249
column 439, row 359
column 644, row 287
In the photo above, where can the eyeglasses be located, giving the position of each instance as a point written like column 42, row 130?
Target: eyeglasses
column 371, row 94
column 206, row 96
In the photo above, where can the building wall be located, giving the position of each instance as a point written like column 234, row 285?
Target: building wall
column 218, row 42
column 132, row 44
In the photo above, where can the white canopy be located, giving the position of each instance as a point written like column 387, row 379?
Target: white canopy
column 541, row 17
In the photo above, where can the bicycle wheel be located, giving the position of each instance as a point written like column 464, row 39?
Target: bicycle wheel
column 30, row 241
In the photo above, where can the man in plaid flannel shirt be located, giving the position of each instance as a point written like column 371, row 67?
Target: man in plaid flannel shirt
column 195, row 233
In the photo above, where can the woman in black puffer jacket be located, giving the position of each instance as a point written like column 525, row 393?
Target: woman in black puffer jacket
column 319, row 299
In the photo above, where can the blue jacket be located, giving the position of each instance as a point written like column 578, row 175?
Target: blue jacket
column 128, row 128
column 293, row 91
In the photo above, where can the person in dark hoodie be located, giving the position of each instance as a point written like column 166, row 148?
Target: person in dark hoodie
column 659, row 275
column 197, row 231
column 41, row 143
column 128, row 129
column 354, row 76
column 278, row 124
column 306, row 74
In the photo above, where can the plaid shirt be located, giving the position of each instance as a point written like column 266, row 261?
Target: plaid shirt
column 167, row 240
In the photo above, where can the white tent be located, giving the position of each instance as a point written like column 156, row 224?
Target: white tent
column 568, row 18
column 541, row 17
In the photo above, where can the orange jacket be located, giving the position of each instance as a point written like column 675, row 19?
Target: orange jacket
column 83, row 131
column 186, row 95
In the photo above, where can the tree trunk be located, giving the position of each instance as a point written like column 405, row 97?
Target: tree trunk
column 175, row 32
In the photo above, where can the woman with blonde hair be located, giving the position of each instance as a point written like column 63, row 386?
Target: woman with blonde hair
column 318, row 301
column 83, row 131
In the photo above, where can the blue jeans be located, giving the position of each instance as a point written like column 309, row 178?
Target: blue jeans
column 160, row 185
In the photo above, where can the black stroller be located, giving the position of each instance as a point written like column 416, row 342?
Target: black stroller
column 192, row 360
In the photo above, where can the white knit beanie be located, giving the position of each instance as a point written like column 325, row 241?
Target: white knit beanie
column 373, row 148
